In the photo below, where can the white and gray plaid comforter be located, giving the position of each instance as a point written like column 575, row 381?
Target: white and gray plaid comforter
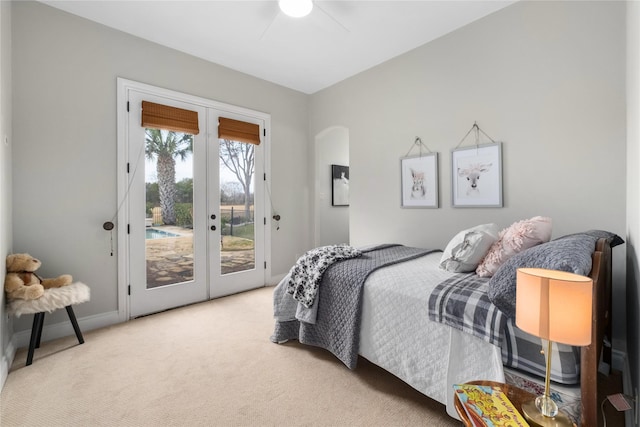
column 461, row 302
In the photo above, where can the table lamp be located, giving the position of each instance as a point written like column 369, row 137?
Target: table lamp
column 555, row 306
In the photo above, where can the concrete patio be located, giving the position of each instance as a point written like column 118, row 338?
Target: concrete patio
column 170, row 260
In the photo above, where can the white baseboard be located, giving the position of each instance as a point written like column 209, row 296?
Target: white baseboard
column 51, row 332
column 276, row 279
column 620, row 362
column 5, row 363
column 64, row 329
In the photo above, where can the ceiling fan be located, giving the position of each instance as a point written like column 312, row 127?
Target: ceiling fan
column 296, row 8
column 300, row 9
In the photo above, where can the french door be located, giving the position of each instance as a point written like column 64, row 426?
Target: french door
column 236, row 208
column 194, row 206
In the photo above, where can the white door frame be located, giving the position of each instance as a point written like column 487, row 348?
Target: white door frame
column 123, row 87
column 142, row 298
column 230, row 283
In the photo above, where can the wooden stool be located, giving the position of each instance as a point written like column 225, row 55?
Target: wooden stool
column 53, row 299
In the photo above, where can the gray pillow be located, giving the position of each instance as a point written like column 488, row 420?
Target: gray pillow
column 571, row 253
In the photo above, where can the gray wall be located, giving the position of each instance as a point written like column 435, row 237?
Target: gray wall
column 5, row 173
column 65, row 142
column 545, row 78
column 633, row 187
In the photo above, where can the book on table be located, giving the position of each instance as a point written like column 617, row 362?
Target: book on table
column 488, row 406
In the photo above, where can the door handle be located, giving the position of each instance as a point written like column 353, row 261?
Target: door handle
column 213, row 228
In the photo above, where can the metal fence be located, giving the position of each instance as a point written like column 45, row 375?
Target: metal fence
column 233, row 217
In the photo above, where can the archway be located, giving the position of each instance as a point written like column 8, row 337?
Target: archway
column 331, row 222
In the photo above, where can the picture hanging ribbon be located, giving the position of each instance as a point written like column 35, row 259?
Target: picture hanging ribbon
column 477, row 130
column 418, row 142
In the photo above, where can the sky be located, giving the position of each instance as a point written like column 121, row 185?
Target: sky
column 184, row 169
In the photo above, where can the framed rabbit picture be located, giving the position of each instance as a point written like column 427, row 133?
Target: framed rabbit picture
column 419, row 181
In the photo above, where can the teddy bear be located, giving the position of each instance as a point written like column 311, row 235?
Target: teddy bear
column 22, row 282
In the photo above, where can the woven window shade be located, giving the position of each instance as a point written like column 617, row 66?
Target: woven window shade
column 237, row 130
column 160, row 116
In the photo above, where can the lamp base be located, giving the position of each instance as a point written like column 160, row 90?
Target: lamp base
column 535, row 417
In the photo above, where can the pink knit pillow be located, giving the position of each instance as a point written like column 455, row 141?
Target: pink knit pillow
column 516, row 238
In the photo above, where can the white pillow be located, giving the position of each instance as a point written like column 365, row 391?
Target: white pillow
column 465, row 251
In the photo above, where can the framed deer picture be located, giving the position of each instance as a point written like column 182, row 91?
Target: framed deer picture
column 476, row 179
column 419, row 180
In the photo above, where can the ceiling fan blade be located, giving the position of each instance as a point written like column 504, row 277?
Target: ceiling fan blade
column 317, row 4
column 266, row 30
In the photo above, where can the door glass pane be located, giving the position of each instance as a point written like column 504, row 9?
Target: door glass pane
column 169, row 207
column 237, row 249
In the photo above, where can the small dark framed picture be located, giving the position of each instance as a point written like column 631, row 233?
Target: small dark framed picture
column 339, row 185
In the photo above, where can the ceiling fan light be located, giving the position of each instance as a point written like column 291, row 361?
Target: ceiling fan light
column 296, row 8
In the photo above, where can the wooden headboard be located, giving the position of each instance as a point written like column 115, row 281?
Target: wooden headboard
column 601, row 327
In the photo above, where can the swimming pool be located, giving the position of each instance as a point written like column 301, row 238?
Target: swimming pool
column 153, row 233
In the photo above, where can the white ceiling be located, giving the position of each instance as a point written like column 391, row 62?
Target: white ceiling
column 337, row 40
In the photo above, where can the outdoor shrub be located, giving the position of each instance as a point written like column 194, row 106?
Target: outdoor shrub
column 184, row 217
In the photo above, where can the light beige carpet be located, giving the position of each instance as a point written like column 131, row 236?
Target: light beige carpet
column 208, row 364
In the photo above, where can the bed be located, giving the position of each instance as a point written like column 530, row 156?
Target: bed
column 390, row 320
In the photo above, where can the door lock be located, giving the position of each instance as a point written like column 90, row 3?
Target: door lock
column 213, row 216
column 213, row 228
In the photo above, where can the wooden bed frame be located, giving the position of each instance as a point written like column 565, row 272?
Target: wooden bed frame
column 601, row 327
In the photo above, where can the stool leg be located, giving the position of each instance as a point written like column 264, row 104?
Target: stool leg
column 36, row 330
column 40, row 328
column 74, row 322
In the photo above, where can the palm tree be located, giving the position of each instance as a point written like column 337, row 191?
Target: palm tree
column 167, row 146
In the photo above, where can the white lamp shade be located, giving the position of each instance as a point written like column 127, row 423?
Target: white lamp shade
column 554, row 305
column 296, row 8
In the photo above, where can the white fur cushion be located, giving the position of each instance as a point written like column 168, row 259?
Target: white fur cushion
column 465, row 251
column 52, row 300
